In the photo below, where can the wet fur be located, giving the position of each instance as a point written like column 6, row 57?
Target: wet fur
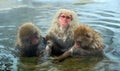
column 88, row 37
column 26, row 48
column 61, row 39
column 91, row 43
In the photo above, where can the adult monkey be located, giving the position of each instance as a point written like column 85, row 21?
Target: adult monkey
column 29, row 40
column 60, row 35
column 88, row 42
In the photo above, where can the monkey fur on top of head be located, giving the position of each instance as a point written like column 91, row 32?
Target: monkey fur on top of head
column 88, row 42
column 58, row 39
column 29, row 40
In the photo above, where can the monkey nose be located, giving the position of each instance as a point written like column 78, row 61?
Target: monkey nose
column 78, row 43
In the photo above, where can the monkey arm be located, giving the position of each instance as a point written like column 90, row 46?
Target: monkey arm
column 63, row 56
column 48, row 48
column 97, row 52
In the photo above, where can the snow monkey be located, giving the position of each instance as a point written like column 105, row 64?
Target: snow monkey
column 60, row 35
column 29, row 40
column 88, row 42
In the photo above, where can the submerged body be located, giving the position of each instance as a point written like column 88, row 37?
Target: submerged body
column 29, row 40
column 87, row 43
column 60, row 35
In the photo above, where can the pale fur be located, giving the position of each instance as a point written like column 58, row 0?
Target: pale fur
column 55, row 23
column 58, row 35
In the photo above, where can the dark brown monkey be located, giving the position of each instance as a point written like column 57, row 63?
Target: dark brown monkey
column 29, row 40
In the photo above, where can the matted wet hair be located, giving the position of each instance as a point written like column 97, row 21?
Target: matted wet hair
column 72, row 25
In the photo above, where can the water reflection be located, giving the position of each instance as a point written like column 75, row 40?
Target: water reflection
column 102, row 15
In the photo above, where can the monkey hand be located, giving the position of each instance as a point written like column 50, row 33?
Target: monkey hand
column 56, row 60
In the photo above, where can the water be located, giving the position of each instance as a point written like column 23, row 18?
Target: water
column 103, row 16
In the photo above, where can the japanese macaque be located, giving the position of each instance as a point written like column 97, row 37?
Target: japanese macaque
column 29, row 40
column 87, row 43
column 60, row 35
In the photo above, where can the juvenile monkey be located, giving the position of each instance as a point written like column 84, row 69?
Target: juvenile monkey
column 88, row 42
column 29, row 40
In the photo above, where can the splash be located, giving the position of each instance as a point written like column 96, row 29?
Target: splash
column 8, row 60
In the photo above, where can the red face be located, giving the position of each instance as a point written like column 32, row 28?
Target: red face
column 34, row 39
column 64, row 20
column 78, row 44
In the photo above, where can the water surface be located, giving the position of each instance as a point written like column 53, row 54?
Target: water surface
column 103, row 16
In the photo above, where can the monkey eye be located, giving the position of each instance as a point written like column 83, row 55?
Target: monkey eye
column 88, row 35
column 26, row 38
column 35, row 33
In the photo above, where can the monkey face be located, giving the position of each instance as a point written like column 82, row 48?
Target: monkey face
column 28, row 35
column 84, row 39
column 30, row 39
column 83, row 36
column 34, row 39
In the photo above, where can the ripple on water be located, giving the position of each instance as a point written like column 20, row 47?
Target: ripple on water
column 112, row 20
column 1, row 46
column 107, row 65
column 106, row 13
column 112, row 53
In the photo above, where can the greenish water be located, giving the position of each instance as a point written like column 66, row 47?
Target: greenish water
column 103, row 16
column 70, row 64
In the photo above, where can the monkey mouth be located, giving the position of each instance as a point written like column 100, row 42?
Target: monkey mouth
column 78, row 43
column 34, row 40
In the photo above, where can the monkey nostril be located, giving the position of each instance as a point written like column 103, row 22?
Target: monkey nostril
column 78, row 43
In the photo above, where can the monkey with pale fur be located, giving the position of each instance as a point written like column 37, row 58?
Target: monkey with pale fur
column 60, row 39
